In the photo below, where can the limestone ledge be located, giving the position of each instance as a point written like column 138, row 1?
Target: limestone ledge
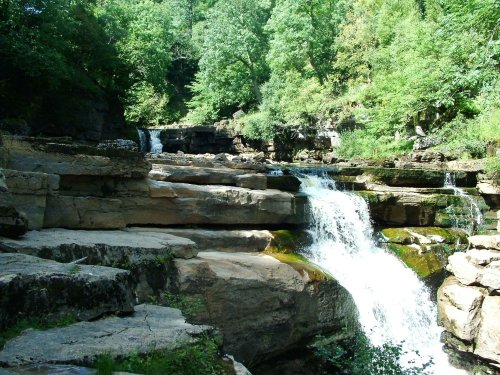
column 469, row 300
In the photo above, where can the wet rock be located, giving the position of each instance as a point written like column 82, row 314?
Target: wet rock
column 488, row 337
column 31, row 286
column 149, row 329
column 284, row 183
column 459, row 308
column 282, row 306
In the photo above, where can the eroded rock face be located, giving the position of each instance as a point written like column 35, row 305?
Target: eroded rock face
column 148, row 255
column 12, row 223
column 262, row 306
column 469, row 301
column 150, row 328
column 459, row 308
column 31, row 286
column 39, row 155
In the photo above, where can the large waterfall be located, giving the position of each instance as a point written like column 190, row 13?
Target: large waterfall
column 394, row 305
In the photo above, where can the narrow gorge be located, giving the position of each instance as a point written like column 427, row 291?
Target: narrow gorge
column 271, row 262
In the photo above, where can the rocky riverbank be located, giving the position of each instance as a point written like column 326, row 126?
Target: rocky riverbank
column 108, row 230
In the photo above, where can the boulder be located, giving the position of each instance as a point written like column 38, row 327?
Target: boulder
column 252, row 181
column 488, row 337
column 263, row 307
column 33, row 287
column 491, row 275
column 465, row 271
column 485, row 241
column 149, row 329
column 218, row 239
column 482, row 257
column 459, row 308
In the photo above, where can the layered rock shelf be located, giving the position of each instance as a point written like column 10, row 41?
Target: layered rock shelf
column 110, row 229
column 469, row 300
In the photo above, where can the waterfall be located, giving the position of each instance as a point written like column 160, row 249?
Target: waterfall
column 394, row 305
column 473, row 216
column 155, row 142
column 142, row 140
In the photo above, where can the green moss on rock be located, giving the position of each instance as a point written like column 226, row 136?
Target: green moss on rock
column 425, row 264
column 301, row 265
column 411, row 235
column 288, row 241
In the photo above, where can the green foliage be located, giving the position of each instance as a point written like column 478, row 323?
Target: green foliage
column 493, row 168
column 74, row 269
column 198, row 358
column 232, row 65
column 190, row 305
column 356, row 356
column 42, row 324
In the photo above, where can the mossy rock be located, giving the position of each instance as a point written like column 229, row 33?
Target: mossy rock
column 288, row 241
column 436, row 235
column 425, row 264
column 302, row 265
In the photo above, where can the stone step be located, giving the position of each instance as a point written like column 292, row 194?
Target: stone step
column 34, row 287
column 149, row 329
column 196, row 175
column 146, row 254
column 218, row 239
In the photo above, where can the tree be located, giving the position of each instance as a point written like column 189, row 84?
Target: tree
column 232, row 65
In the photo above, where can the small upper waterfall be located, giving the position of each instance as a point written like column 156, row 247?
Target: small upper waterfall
column 155, row 142
column 142, row 140
column 473, row 217
column 394, row 304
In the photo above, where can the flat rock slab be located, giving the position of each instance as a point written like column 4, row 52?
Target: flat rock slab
column 195, row 175
column 34, row 287
column 149, row 329
column 100, row 247
column 219, row 239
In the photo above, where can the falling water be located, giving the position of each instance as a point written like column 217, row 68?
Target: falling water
column 142, row 140
column 473, row 216
column 155, row 142
column 394, row 305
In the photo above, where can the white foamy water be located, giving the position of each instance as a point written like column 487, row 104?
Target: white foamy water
column 156, row 145
column 142, row 140
column 473, row 218
column 394, row 305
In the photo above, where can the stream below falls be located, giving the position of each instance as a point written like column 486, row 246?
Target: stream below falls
column 394, row 305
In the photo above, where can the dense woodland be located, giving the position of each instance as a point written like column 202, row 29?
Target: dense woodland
column 373, row 69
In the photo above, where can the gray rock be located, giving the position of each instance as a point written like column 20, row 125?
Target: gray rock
column 32, row 287
column 218, row 239
column 120, row 144
column 252, row 181
column 488, row 337
column 285, row 183
column 149, row 329
column 424, row 143
column 35, row 155
column 51, row 369
column 262, row 306
column 103, row 247
column 196, row 175
column 459, row 308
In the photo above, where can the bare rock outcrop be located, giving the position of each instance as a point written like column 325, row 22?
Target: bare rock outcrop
column 469, row 301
